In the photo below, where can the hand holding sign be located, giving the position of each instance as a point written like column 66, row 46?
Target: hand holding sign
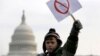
column 63, row 8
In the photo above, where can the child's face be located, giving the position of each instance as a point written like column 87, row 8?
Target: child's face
column 51, row 44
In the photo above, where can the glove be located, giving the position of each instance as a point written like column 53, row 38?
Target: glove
column 76, row 28
column 77, row 25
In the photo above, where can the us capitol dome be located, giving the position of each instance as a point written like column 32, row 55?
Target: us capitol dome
column 23, row 41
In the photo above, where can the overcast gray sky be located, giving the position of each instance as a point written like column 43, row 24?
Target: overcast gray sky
column 40, row 18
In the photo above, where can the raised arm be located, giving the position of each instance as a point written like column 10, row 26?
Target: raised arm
column 72, row 42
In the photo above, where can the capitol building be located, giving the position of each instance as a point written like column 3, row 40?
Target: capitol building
column 22, row 41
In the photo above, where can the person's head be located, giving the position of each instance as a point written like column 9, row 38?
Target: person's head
column 51, row 41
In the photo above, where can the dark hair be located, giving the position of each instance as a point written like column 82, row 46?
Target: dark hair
column 52, row 32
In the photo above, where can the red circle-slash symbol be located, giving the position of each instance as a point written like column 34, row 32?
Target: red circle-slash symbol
column 57, row 9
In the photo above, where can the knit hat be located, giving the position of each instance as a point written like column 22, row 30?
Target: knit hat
column 52, row 33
